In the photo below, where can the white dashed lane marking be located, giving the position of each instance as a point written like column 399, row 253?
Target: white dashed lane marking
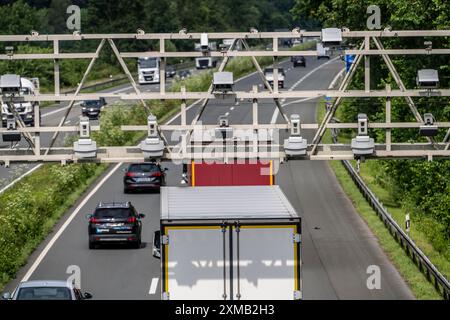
column 153, row 286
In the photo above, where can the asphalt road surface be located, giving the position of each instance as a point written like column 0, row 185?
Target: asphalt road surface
column 337, row 245
column 51, row 116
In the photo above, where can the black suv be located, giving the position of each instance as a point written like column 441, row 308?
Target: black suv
column 146, row 175
column 115, row 223
column 170, row 72
column 298, row 61
column 92, row 108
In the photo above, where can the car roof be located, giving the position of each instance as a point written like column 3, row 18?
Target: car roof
column 126, row 204
column 45, row 283
column 138, row 163
column 271, row 69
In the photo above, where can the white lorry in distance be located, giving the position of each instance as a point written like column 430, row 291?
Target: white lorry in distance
column 206, row 62
column 228, row 243
column 148, row 70
column 227, row 43
column 322, row 52
column 28, row 86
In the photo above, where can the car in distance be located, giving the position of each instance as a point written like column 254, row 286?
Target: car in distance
column 298, row 61
column 144, row 176
column 47, row 290
column 170, row 72
column 184, row 74
column 268, row 73
column 92, row 108
column 116, row 222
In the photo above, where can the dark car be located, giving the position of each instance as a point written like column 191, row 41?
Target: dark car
column 144, row 176
column 115, row 223
column 298, row 61
column 92, row 108
column 183, row 74
column 170, row 72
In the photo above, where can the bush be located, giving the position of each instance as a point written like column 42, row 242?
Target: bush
column 26, row 209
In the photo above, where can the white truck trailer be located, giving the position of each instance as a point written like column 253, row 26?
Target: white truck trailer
column 229, row 243
column 28, row 86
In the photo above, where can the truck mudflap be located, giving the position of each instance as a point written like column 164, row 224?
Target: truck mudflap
column 232, row 261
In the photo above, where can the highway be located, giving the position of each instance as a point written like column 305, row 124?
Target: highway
column 51, row 116
column 338, row 247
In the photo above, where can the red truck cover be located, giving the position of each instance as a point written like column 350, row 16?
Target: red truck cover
column 242, row 174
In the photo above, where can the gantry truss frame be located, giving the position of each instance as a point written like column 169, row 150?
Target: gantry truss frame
column 235, row 149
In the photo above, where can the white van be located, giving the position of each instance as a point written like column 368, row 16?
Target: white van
column 322, row 52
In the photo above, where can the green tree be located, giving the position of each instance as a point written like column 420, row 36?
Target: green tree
column 422, row 187
column 20, row 18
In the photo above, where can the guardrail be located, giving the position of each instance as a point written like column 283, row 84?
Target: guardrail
column 99, row 84
column 179, row 66
column 433, row 275
column 441, row 284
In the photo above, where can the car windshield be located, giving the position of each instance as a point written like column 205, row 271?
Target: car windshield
column 270, row 71
column 44, row 293
column 113, row 213
column 92, row 103
column 147, row 63
column 143, row 167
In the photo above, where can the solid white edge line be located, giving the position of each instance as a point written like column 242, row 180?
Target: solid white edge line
column 78, row 103
column 153, row 286
column 93, row 191
column 199, row 100
column 298, row 101
column 20, row 178
column 66, row 223
column 276, row 112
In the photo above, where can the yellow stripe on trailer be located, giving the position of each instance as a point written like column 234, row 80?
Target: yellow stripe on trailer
column 193, row 173
column 271, row 172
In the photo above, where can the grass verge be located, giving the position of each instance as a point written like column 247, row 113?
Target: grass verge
column 28, row 211
column 21, row 233
column 420, row 287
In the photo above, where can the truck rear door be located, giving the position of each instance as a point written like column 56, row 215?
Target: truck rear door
column 266, row 263
column 263, row 262
column 193, row 266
